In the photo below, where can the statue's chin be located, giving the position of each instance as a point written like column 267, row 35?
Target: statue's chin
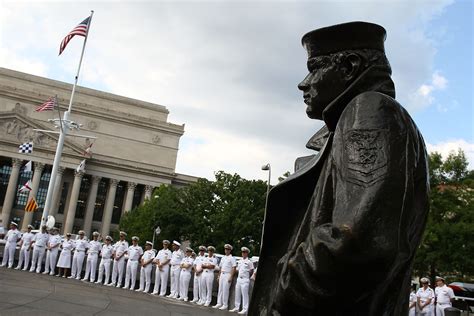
column 312, row 114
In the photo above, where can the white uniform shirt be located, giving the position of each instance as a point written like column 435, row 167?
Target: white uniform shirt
column 149, row 254
column 67, row 244
column 210, row 260
column 81, row 244
column 227, row 263
column 41, row 239
column 187, row 260
column 198, row 261
column 54, row 240
column 412, row 298
column 176, row 257
column 27, row 238
column 425, row 295
column 134, row 252
column 94, row 246
column 13, row 235
column 106, row 251
column 244, row 266
column 120, row 247
column 163, row 255
column 444, row 294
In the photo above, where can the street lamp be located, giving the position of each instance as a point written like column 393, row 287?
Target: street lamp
column 268, row 168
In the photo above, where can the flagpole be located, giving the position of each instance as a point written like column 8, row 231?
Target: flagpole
column 62, row 135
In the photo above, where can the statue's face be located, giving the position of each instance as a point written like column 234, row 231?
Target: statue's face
column 321, row 86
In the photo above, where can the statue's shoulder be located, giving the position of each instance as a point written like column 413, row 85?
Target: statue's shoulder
column 374, row 99
column 373, row 105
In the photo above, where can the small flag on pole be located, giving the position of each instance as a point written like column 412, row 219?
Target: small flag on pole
column 80, row 30
column 26, row 148
column 82, row 166
column 88, row 151
column 31, row 206
column 28, row 166
column 47, row 106
column 26, row 187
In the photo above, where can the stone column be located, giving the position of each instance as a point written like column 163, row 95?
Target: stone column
column 11, row 192
column 109, row 207
column 148, row 192
column 91, row 205
column 39, row 167
column 58, row 186
column 129, row 197
column 71, row 212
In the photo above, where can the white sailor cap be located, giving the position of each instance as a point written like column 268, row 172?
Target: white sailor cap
column 81, row 232
column 68, row 234
column 108, row 238
column 123, row 233
column 188, row 249
column 202, row 248
column 425, row 280
column 176, row 243
column 245, row 249
column 166, row 241
column 227, row 246
column 31, row 227
column 135, row 238
column 149, row 243
column 95, row 234
column 13, row 223
column 211, row 248
column 439, row 278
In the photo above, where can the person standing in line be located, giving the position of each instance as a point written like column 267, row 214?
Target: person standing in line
column 176, row 258
column 12, row 237
column 52, row 251
column 412, row 301
column 92, row 257
column 444, row 296
column 209, row 264
column 105, row 262
column 186, row 266
column 25, row 250
column 226, row 275
column 245, row 270
column 134, row 252
column 64, row 262
column 146, row 263
column 197, row 265
column 80, row 245
column 425, row 297
column 162, row 262
column 39, row 247
column 119, row 260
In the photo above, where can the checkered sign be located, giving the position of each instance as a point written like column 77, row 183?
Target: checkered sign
column 26, row 148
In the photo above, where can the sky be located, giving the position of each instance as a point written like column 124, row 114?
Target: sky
column 229, row 70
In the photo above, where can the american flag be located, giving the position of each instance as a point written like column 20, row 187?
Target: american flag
column 47, row 106
column 80, row 30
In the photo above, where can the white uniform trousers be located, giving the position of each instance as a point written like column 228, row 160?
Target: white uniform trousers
column 145, row 277
column 91, row 266
column 175, row 271
column 51, row 259
column 440, row 308
column 207, row 281
column 104, row 265
column 24, row 258
column 37, row 260
column 242, row 293
column 117, row 271
column 412, row 311
column 9, row 254
column 161, row 278
column 224, row 286
column 131, row 274
column 184, row 278
column 197, row 287
column 77, row 263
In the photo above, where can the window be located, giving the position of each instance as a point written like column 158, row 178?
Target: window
column 43, row 189
column 82, row 199
column 5, row 171
column 118, row 203
column 137, row 195
column 62, row 200
column 100, row 200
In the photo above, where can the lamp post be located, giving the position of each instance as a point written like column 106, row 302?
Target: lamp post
column 268, row 168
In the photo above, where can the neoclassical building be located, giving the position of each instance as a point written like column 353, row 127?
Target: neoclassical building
column 135, row 151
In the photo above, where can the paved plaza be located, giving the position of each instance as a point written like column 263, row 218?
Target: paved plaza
column 25, row 293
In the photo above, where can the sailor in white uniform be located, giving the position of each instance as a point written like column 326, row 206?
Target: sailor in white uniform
column 105, row 261
column 186, row 267
column 119, row 260
column 245, row 271
column 134, row 252
column 25, row 250
column 146, row 263
column 444, row 296
column 226, row 274
column 64, row 262
column 92, row 257
column 176, row 258
column 12, row 237
column 162, row 262
column 52, row 249
column 39, row 247
column 425, row 298
column 197, row 266
column 412, row 301
column 209, row 264
column 80, row 246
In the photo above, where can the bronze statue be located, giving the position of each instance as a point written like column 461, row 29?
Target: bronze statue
column 341, row 232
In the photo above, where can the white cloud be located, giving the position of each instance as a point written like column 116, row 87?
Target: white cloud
column 423, row 96
column 446, row 147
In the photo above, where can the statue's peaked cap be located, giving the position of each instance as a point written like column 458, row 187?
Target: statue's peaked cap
column 346, row 36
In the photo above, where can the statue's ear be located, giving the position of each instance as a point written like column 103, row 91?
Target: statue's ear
column 351, row 66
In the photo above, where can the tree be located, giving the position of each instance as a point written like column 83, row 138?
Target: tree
column 447, row 245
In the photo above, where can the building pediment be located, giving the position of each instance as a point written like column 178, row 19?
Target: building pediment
column 17, row 128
